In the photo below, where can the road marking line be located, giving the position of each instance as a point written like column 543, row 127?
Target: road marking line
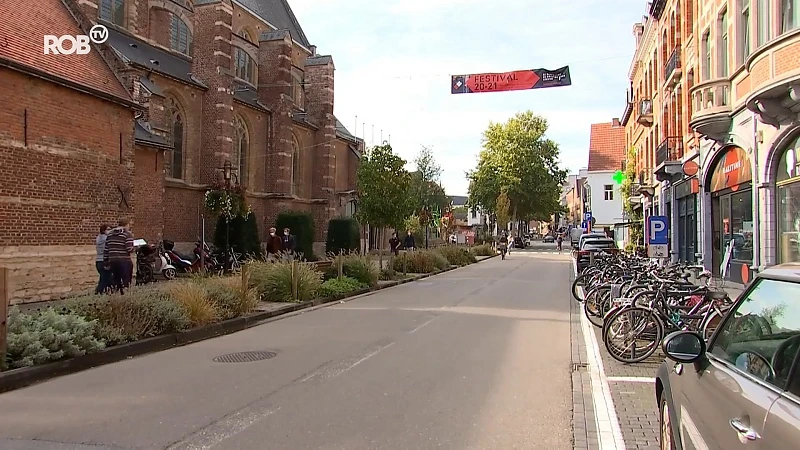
column 632, row 379
column 605, row 414
column 327, row 372
column 212, row 436
column 422, row 325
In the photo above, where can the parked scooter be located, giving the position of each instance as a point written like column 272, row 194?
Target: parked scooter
column 152, row 263
column 183, row 264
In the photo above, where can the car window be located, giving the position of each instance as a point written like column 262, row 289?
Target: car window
column 598, row 242
column 762, row 336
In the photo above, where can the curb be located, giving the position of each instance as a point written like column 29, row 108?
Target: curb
column 14, row 379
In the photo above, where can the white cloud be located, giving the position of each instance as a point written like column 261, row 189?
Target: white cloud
column 394, row 61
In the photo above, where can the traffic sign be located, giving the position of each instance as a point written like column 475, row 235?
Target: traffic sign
column 657, row 250
column 587, row 216
column 657, row 230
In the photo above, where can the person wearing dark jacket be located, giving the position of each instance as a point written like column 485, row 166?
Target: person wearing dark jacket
column 289, row 241
column 394, row 244
column 105, row 275
column 274, row 243
column 408, row 243
column 117, row 255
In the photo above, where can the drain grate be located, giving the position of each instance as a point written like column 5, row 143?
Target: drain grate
column 244, row 357
column 579, row 366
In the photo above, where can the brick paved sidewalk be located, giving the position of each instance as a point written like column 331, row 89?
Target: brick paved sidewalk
column 631, row 388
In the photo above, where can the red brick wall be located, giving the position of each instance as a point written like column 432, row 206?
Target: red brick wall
column 62, row 185
column 274, row 77
column 148, row 193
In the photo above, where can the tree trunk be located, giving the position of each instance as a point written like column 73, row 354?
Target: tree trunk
column 381, row 233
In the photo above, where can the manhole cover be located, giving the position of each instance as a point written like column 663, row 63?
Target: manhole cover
column 244, row 357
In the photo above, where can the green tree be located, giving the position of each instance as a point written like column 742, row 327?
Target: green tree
column 518, row 160
column 426, row 189
column 503, row 210
column 383, row 186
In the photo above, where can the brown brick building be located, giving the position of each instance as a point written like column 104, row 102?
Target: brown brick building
column 141, row 125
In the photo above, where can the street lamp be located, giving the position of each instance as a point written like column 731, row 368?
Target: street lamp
column 227, row 175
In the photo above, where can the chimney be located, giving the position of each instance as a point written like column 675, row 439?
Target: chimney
column 615, row 122
column 313, row 49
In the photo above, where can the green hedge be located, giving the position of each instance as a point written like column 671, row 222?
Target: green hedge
column 243, row 235
column 301, row 225
column 343, row 236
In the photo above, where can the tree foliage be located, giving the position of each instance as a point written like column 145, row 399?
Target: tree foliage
column 426, row 190
column 503, row 210
column 518, row 160
column 383, row 188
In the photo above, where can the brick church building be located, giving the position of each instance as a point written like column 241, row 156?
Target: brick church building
column 143, row 123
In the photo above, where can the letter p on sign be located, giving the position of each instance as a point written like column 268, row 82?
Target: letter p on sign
column 657, row 230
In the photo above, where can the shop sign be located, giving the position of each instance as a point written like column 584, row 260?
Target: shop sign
column 732, row 169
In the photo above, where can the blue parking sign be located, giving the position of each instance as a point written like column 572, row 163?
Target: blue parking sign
column 657, row 230
column 587, row 216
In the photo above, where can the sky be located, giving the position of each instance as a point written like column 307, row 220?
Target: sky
column 394, row 60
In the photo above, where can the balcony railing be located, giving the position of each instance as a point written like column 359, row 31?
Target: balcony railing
column 711, row 97
column 673, row 65
column 670, row 149
column 645, row 112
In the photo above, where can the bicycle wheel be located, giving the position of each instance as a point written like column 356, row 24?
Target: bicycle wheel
column 575, row 291
column 628, row 329
column 595, row 305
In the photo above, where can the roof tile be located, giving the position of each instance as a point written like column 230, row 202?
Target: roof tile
column 22, row 28
column 606, row 146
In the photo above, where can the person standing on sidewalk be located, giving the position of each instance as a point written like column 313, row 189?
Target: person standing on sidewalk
column 289, row 241
column 274, row 244
column 394, row 244
column 105, row 275
column 409, row 241
column 117, row 255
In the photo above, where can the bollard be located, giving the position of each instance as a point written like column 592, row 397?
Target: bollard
column 4, row 278
column 340, row 265
column 591, row 258
column 295, row 276
column 245, row 280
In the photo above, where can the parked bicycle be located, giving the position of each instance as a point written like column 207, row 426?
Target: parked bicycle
column 637, row 303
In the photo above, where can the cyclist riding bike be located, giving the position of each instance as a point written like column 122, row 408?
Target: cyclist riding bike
column 503, row 245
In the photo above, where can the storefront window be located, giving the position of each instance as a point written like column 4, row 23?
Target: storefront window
column 787, row 196
column 741, row 226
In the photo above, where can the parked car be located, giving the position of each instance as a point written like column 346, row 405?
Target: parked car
column 518, row 242
column 579, row 244
column 549, row 239
column 741, row 389
column 591, row 246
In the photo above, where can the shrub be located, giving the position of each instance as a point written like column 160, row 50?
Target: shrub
column 457, row 256
column 230, row 300
column 482, row 250
column 343, row 236
column 301, row 225
column 243, row 236
column 141, row 313
column 335, row 287
column 47, row 336
column 421, row 261
column 274, row 281
column 193, row 296
column 359, row 267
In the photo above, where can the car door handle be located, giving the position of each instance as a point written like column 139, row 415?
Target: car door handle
column 744, row 430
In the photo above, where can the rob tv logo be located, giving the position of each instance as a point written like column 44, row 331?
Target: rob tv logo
column 76, row 44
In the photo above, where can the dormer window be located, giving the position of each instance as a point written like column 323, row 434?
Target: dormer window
column 180, row 36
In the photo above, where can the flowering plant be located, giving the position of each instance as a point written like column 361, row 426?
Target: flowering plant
column 229, row 202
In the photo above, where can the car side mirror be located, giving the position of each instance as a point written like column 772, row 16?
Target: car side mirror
column 684, row 347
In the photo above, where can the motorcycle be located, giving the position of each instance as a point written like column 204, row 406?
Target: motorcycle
column 152, row 263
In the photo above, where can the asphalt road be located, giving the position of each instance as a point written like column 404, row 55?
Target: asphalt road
column 477, row 358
